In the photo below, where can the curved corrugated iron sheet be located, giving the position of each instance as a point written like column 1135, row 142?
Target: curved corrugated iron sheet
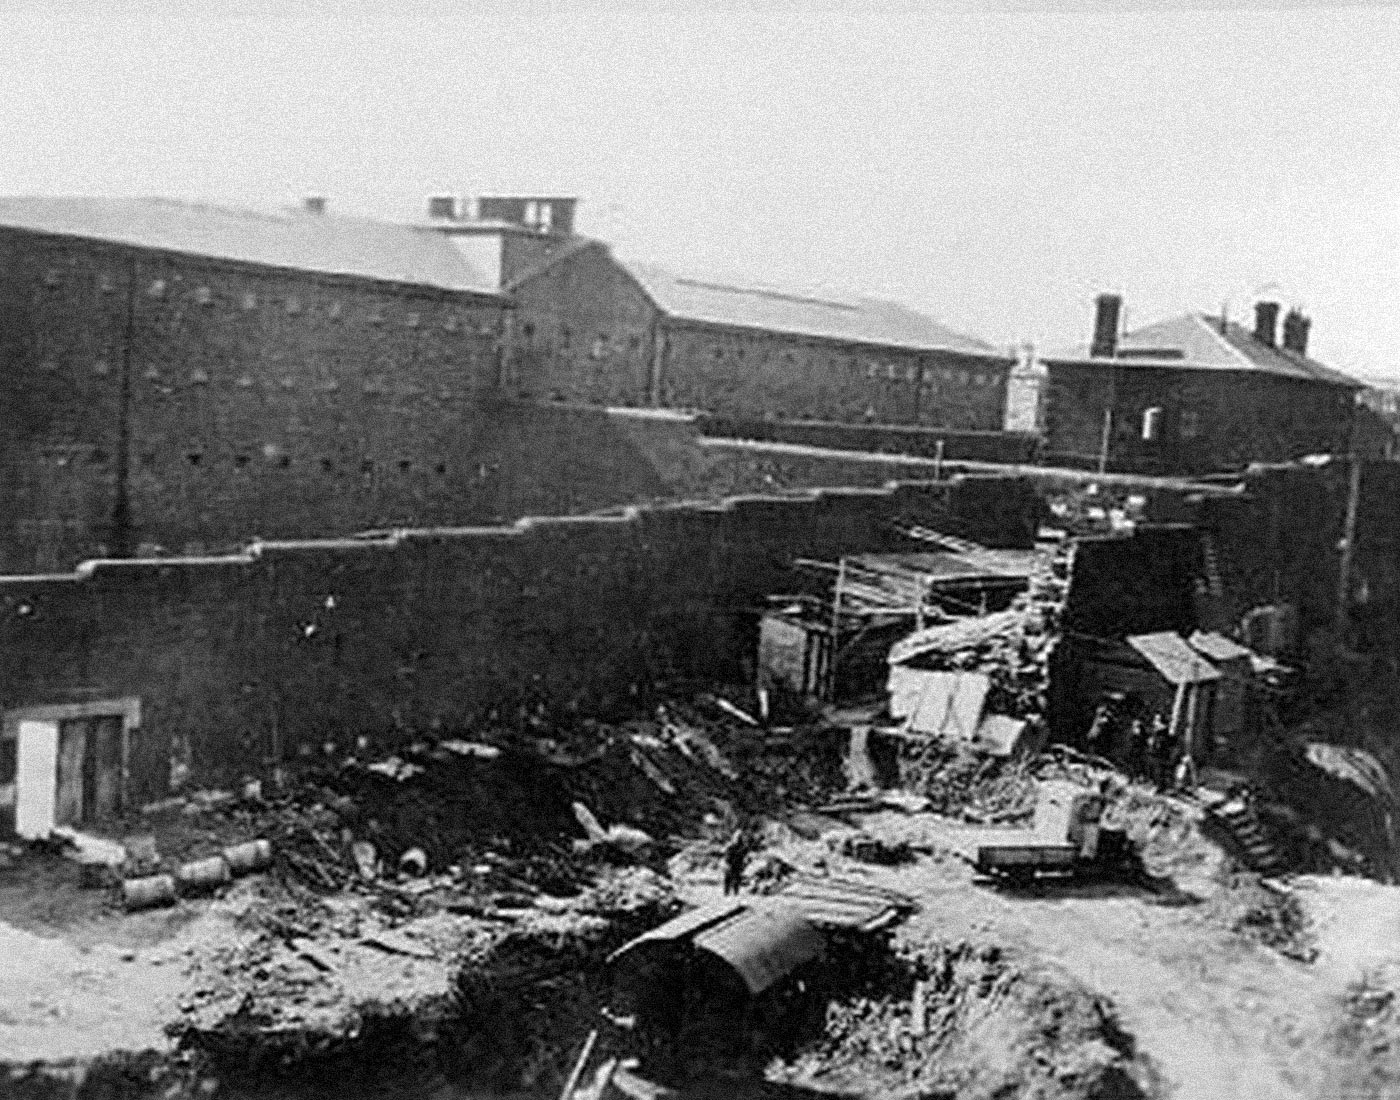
column 762, row 944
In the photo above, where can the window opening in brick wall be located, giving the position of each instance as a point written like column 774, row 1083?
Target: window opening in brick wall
column 1151, row 423
column 241, row 461
column 327, row 466
column 194, row 458
column 441, row 469
column 285, row 462
column 405, row 465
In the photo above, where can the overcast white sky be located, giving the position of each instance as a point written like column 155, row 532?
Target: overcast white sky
column 994, row 164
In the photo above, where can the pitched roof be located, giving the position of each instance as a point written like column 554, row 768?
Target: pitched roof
column 1195, row 341
column 831, row 316
column 323, row 243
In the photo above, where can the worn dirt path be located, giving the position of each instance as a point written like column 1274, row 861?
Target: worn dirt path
column 1218, row 1017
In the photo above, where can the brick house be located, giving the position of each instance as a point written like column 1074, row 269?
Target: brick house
column 592, row 328
column 1194, row 394
column 186, row 377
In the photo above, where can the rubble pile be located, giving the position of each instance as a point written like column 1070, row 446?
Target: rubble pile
column 488, row 824
column 966, row 1020
column 540, row 984
column 315, row 985
column 963, row 781
column 1268, row 915
column 1370, row 1031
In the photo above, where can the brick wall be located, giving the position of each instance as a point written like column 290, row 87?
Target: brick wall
column 1210, row 420
column 259, row 401
column 244, row 660
column 586, row 331
column 749, row 373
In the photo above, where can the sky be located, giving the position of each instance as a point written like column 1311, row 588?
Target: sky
column 995, row 164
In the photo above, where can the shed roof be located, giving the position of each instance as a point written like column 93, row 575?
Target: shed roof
column 1169, row 654
column 1196, row 341
column 297, row 240
column 1218, row 647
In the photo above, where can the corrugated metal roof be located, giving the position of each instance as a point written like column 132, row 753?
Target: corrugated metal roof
column 820, row 314
column 763, row 944
column 1169, row 654
column 843, row 903
column 761, row 940
column 322, row 243
column 1196, row 341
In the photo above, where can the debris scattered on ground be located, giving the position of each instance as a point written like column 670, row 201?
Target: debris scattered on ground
column 967, row 1020
column 1269, row 915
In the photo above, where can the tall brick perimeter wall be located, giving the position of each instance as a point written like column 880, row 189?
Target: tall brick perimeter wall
column 243, row 660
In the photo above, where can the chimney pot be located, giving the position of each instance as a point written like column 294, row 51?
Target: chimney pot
column 1295, row 332
column 443, row 207
column 1266, row 323
column 314, row 204
column 1107, row 310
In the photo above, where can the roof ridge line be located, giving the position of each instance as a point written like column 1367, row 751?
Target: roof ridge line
column 1233, row 351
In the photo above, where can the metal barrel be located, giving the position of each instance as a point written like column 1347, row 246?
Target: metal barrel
column 202, row 875
column 148, row 892
column 244, row 859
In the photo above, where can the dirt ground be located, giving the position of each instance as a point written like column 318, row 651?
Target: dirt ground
column 1212, row 1011
column 1193, row 982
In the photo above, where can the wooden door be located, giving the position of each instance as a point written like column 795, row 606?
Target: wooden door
column 72, row 769
column 105, row 754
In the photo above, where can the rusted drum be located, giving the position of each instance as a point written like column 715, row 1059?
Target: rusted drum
column 148, row 892
column 244, row 859
column 203, row 875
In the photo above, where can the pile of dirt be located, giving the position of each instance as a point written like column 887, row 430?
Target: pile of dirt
column 966, row 1020
column 525, row 1007
column 316, row 987
column 1263, row 914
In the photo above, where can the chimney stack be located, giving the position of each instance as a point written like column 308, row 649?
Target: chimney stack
column 1295, row 332
column 1107, row 310
column 442, row 207
column 1266, row 323
column 314, row 204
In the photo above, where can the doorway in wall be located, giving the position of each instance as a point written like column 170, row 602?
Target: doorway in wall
column 69, row 764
